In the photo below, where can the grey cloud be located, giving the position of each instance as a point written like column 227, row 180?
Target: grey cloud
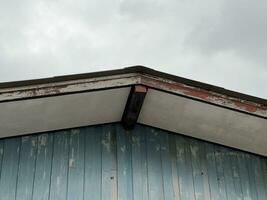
column 240, row 26
column 201, row 40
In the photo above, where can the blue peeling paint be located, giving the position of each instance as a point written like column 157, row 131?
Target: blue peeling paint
column 108, row 163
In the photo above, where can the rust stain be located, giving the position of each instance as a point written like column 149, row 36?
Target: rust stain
column 198, row 94
column 246, row 107
column 157, row 83
column 161, row 85
column 204, row 95
column 188, row 91
column 140, row 88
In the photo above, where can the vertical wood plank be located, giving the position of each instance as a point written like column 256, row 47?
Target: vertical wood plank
column 9, row 171
column 201, row 184
column 175, row 178
column 264, row 169
column 166, row 164
column 26, row 167
column 76, row 164
column 109, row 163
column 185, row 168
column 220, row 171
column 259, row 177
column 93, row 163
column 251, row 174
column 212, row 171
column 1, row 155
column 155, row 179
column 59, row 177
column 236, row 174
column 106, row 162
column 228, row 175
column 139, row 163
column 244, row 179
column 124, row 153
column 41, row 186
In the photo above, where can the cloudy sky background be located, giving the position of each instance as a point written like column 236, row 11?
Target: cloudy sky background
column 221, row 42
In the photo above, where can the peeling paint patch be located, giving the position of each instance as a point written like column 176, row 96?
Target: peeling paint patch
column 246, row 107
column 205, row 95
column 123, row 148
column 43, row 140
column 106, row 141
column 136, row 141
column 71, row 162
column 199, row 94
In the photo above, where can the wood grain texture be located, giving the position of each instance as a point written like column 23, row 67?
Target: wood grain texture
column 26, row 169
column 42, row 177
column 76, row 165
column 59, row 173
column 124, row 161
column 93, row 163
column 9, row 172
column 106, row 162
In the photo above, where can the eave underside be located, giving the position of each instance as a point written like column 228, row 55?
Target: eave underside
column 169, row 105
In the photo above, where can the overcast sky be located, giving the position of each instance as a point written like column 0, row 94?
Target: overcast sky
column 221, row 42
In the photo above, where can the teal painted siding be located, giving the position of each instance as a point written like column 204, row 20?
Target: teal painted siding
column 108, row 163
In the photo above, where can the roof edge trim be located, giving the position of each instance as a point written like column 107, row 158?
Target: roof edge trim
column 131, row 76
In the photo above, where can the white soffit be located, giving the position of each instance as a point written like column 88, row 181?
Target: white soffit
column 216, row 115
column 204, row 121
column 60, row 112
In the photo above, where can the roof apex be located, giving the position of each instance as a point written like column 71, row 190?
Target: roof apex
column 135, row 69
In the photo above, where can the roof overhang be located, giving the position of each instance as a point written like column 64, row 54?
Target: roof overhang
column 172, row 103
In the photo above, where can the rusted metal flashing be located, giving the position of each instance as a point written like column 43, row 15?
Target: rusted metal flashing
column 133, row 76
column 67, row 87
column 205, row 95
column 136, row 70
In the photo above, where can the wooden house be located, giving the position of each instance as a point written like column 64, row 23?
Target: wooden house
column 130, row 134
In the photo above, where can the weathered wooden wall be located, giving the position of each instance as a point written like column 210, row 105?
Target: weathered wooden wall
column 107, row 163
